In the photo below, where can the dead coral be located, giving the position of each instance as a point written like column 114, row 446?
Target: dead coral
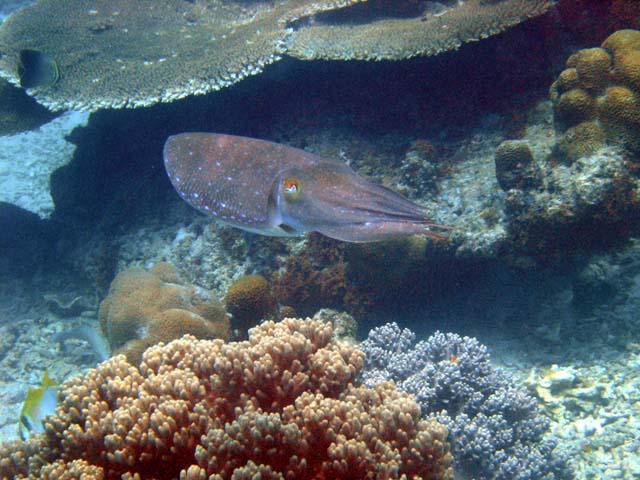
column 144, row 308
column 280, row 405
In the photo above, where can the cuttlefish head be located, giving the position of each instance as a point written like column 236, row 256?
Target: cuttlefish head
column 330, row 198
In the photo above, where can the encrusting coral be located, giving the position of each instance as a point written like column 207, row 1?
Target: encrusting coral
column 144, row 308
column 598, row 96
column 278, row 406
column 128, row 54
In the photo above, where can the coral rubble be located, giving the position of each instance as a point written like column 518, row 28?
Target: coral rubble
column 280, row 405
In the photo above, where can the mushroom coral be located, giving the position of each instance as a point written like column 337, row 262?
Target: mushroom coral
column 120, row 53
column 281, row 405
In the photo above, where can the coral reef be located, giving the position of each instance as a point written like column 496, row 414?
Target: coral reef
column 136, row 54
column 582, row 197
column 249, row 300
column 400, row 38
column 314, row 277
column 597, row 96
column 515, row 167
column 280, row 405
column 144, row 308
column 496, row 430
column 421, row 167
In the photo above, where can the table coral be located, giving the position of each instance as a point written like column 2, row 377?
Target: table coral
column 144, row 308
column 496, row 430
column 280, row 405
column 129, row 54
column 399, row 38
column 601, row 86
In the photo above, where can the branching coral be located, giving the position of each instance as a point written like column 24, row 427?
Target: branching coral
column 144, row 308
column 495, row 428
column 128, row 54
column 280, row 405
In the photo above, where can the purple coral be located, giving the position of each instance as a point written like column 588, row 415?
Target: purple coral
column 495, row 426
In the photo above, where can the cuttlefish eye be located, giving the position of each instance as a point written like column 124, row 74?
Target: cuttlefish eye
column 291, row 187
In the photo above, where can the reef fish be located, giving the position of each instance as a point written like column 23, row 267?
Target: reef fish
column 273, row 189
column 39, row 403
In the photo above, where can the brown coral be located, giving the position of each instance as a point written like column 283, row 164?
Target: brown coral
column 601, row 86
column 583, row 140
column 592, row 68
column 127, row 54
column 575, row 106
column 314, row 278
column 627, row 68
column 281, row 405
column 249, row 300
column 144, row 308
column 515, row 166
column 621, row 40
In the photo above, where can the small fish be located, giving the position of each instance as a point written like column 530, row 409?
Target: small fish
column 272, row 189
column 38, row 403
column 95, row 339
column 37, row 69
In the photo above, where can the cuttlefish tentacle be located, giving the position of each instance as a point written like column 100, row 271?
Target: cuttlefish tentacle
column 273, row 189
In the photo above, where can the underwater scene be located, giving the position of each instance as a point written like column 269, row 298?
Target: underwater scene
column 320, row 239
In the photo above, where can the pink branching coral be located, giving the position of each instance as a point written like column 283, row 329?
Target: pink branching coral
column 281, row 405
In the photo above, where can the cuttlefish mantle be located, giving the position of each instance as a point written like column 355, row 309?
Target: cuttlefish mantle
column 272, row 189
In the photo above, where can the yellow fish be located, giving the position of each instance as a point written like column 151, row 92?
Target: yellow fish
column 38, row 403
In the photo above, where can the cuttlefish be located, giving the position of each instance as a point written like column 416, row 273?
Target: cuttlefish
column 273, row 189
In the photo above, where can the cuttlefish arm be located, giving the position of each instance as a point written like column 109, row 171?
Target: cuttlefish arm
column 273, row 189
